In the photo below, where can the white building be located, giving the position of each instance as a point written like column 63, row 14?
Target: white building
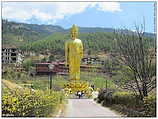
column 91, row 60
column 10, row 55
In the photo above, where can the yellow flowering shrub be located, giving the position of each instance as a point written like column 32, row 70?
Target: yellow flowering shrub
column 28, row 103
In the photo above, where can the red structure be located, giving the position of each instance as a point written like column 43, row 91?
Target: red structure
column 43, row 68
column 59, row 68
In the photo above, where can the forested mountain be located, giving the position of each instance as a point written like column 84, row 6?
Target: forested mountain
column 20, row 33
column 92, row 42
column 41, row 38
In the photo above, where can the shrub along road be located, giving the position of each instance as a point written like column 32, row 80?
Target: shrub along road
column 87, row 108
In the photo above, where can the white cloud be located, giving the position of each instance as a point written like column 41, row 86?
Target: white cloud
column 109, row 6
column 52, row 11
column 70, row 8
column 13, row 13
column 41, row 15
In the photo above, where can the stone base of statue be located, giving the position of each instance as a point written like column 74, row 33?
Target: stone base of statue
column 75, row 86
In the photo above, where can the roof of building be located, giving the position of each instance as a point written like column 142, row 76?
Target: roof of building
column 8, row 46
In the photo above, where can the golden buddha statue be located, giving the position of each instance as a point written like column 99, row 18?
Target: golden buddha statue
column 73, row 54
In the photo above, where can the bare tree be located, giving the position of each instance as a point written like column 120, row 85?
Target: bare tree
column 137, row 56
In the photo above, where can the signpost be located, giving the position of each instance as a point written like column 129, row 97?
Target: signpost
column 51, row 67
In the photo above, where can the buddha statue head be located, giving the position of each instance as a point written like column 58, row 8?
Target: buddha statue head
column 74, row 32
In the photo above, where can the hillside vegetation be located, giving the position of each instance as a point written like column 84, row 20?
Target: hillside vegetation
column 20, row 33
column 92, row 42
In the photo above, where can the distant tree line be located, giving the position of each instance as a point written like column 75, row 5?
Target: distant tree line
column 92, row 42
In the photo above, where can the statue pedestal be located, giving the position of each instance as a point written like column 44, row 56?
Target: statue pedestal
column 75, row 86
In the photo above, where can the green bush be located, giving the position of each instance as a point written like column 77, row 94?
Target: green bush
column 11, row 74
column 27, row 103
column 150, row 105
column 28, row 64
column 126, row 98
column 105, row 96
column 128, row 103
column 110, row 97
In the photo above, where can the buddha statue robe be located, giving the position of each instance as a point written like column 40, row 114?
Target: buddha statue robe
column 73, row 55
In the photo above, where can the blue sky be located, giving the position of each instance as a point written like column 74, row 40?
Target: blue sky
column 84, row 14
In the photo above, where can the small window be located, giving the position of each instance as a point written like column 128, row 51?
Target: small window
column 14, row 58
column 13, row 50
column 13, row 54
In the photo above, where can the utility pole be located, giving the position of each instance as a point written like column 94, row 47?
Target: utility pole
column 106, row 84
column 51, row 67
column 50, row 81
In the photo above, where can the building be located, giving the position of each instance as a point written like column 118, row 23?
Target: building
column 91, row 60
column 11, row 54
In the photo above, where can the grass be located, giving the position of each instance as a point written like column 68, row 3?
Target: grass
column 98, row 80
column 37, row 82
column 42, row 82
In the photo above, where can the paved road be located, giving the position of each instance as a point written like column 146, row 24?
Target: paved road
column 87, row 108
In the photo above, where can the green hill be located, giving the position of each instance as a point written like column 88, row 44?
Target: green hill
column 20, row 33
column 92, row 42
column 40, row 38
